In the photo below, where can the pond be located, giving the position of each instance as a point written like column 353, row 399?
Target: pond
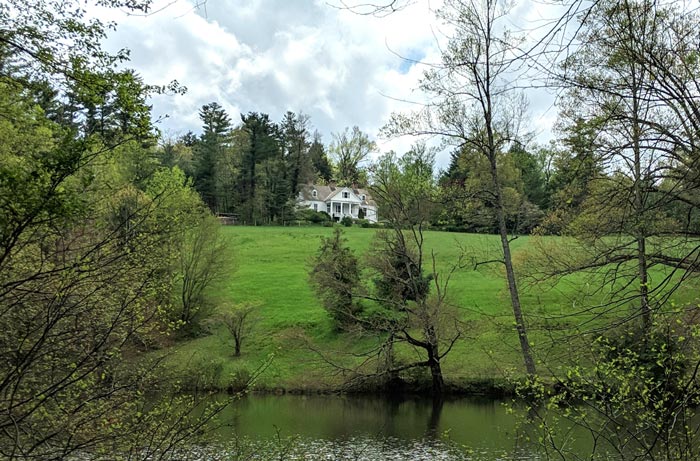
column 371, row 428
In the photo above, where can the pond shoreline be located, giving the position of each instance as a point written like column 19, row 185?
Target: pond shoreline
column 491, row 388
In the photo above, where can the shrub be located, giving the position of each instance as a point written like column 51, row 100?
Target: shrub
column 309, row 215
column 346, row 221
column 335, row 276
column 239, row 380
column 202, row 374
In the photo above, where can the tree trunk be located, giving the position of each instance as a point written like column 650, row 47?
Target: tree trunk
column 434, row 361
column 237, row 352
column 643, row 287
column 436, row 371
column 639, row 206
column 510, row 274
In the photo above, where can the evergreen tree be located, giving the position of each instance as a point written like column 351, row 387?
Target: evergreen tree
column 319, row 160
column 263, row 144
column 209, row 150
column 296, row 145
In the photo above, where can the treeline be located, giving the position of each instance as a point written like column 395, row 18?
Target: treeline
column 254, row 169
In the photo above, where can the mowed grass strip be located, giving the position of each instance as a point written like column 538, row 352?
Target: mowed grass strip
column 272, row 272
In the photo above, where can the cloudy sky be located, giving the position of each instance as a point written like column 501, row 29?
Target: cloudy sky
column 340, row 68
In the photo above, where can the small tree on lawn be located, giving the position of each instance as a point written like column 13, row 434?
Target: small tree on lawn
column 239, row 321
column 335, row 275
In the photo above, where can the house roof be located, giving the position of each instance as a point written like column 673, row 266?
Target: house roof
column 325, row 192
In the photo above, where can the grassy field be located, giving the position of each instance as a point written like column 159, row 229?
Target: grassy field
column 271, row 271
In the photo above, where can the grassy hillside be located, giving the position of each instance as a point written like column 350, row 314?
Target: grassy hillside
column 271, row 271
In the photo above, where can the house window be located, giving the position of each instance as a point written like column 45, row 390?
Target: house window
column 315, row 206
column 328, row 208
column 314, row 193
column 346, row 194
column 363, row 197
column 337, row 208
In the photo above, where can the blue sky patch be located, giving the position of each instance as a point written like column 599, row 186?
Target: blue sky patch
column 408, row 60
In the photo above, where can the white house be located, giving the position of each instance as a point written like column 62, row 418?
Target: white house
column 339, row 202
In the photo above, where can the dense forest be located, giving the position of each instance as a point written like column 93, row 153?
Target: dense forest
column 109, row 244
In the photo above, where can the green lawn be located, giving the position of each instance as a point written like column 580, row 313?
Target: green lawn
column 271, row 270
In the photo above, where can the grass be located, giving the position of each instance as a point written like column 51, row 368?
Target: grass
column 271, row 271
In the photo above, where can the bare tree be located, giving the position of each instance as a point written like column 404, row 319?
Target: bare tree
column 203, row 259
column 474, row 104
column 239, row 321
column 631, row 220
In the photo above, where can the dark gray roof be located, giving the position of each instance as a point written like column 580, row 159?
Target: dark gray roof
column 324, row 192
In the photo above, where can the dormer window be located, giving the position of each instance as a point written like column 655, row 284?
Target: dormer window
column 346, row 194
column 363, row 197
column 314, row 193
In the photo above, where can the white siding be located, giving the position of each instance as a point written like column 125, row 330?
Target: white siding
column 310, row 204
column 371, row 215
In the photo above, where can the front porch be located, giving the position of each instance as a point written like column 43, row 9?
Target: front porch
column 339, row 210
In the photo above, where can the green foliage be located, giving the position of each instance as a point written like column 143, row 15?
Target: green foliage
column 295, row 133
column 316, row 217
column 349, row 150
column 261, row 159
column 335, row 275
column 467, row 190
column 346, row 221
column 639, row 394
column 202, row 263
column 322, row 166
column 85, row 243
column 239, row 321
column 404, row 187
column 210, row 151
column 400, row 277
column 202, row 374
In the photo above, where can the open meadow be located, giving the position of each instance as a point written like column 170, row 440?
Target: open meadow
column 271, row 271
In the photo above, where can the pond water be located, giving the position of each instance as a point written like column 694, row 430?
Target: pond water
column 370, row 428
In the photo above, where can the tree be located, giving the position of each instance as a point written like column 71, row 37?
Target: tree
column 176, row 152
column 239, row 322
column 319, row 159
column 210, row 150
column 84, row 268
column 83, row 278
column 263, row 144
column 532, row 174
column 404, row 303
column 295, row 134
column 349, row 150
column 197, row 249
column 335, row 275
column 467, row 191
column 475, row 105
column 620, row 114
column 631, row 121
column 404, row 190
column 636, row 399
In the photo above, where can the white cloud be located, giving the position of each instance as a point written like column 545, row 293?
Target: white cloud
column 277, row 55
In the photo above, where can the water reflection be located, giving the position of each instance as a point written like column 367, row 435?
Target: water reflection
column 341, row 427
column 469, row 422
